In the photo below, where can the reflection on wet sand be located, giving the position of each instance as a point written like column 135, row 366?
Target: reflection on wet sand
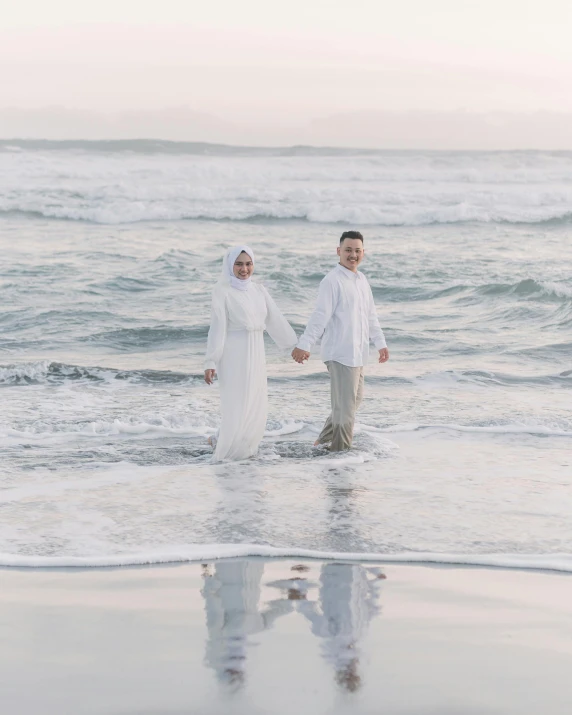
column 348, row 600
column 232, row 601
column 339, row 613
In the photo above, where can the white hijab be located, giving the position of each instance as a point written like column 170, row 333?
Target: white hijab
column 228, row 267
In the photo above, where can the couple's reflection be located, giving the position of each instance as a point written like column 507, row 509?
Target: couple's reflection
column 339, row 603
column 348, row 592
column 231, row 591
column 347, row 600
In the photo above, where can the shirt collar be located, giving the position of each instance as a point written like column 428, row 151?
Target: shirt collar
column 348, row 273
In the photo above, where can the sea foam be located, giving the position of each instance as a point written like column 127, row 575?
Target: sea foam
column 500, row 429
column 188, row 553
column 379, row 188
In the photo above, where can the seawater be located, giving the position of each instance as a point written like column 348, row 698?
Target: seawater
column 463, row 445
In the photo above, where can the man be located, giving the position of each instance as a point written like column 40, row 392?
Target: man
column 346, row 318
column 348, row 602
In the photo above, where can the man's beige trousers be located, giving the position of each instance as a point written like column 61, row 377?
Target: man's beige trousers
column 347, row 393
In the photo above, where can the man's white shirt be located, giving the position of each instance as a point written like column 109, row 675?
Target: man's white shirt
column 345, row 318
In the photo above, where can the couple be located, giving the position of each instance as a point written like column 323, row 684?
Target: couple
column 345, row 319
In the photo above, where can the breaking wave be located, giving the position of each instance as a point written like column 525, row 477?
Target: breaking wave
column 45, row 372
column 462, row 292
column 501, row 429
column 131, row 182
column 341, row 215
column 186, row 553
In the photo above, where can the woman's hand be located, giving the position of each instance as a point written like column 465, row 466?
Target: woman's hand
column 300, row 355
column 210, row 376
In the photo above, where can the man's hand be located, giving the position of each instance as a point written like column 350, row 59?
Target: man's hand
column 300, row 355
column 210, row 376
column 383, row 355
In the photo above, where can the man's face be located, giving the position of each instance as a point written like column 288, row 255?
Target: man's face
column 351, row 253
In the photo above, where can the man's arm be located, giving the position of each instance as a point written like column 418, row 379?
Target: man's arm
column 325, row 306
column 375, row 332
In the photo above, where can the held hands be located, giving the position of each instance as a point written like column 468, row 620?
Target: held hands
column 300, row 355
column 210, row 376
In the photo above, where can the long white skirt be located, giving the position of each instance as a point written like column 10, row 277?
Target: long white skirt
column 243, row 395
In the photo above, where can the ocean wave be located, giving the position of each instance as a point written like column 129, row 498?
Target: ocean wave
column 339, row 215
column 543, row 351
column 467, row 165
column 129, row 339
column 465, row 293
column 197, row 553
column 502, row 429
column 46, row 372
column 247, row 185
column 528, row 287
column 134, row 427
column 489, row 378
column 173, row 425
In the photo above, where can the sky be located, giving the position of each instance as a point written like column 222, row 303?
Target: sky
column 271, row 69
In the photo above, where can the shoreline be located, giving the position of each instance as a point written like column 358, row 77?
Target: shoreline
column 560, row 563
column 257, row 635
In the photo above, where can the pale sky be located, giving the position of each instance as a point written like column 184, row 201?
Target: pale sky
column 283, row 64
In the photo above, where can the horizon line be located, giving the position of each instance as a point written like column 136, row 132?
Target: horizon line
column 270, row 147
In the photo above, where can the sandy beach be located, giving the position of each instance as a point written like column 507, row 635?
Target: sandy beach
column 284, row 636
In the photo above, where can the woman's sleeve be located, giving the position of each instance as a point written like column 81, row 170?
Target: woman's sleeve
column 217, row 332
column 277, row 326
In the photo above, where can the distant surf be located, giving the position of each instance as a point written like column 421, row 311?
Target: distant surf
column 120, row 182
column 368, row 216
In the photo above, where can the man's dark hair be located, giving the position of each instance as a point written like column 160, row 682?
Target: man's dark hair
column 351, row 234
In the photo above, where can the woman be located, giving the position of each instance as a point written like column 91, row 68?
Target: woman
column 241, row 311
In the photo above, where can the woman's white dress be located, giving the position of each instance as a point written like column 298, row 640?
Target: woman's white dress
column 235, row 348
column 234, row 612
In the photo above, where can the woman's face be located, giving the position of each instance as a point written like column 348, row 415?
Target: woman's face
column 243, row 267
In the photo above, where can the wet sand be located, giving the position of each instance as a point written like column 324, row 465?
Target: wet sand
column 255, row 636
